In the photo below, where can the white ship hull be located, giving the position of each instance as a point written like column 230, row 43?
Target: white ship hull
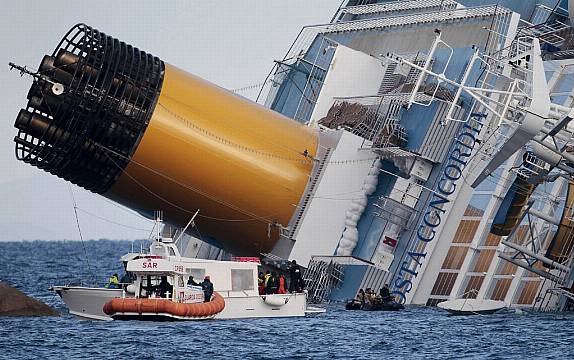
column 88, row 303
column 85, row 302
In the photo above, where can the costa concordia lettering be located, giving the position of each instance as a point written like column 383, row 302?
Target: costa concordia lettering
column 422, row 144
column 457, row 161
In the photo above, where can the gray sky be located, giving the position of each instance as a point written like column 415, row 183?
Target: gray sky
column 230, row 43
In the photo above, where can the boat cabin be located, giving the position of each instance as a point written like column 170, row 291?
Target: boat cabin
column 229, row 278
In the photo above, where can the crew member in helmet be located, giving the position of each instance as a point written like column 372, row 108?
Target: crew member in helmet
column 207, row 287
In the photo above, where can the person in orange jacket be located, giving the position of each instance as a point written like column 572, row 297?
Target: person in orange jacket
column 281, row 285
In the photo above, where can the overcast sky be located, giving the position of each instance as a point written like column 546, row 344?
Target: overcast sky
column 230, row 43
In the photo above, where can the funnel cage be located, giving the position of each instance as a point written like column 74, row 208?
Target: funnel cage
column 88, row 108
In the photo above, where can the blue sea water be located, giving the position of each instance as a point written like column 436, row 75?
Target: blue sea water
column 415, row 333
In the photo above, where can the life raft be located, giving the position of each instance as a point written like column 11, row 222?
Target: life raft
column 275, row 300
column 164, row 306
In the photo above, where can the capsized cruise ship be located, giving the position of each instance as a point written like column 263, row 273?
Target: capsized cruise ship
column 425, row 144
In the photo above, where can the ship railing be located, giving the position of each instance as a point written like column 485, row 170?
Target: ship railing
column 547, row 24
column 397, row 212
column 497, row 102
column 390, row 9
column 525, row 244
column 562, row 292
column 309, row 34
column 323, row 274
column 380, row 122
column 550, row 33
column 531, row 166
column 298, row 50
column 290, row 232
column 543, row 13
column 563, row 299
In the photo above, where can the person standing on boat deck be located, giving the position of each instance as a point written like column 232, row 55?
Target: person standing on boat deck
column 164, row 288
column 127, row 278
column 266, row 278
column 272, row 284
column 295, row 277
column 191, row 282
column 113, row 282
column 275, row 283
column 207, row 287
column 281, row 289
column 261, row 284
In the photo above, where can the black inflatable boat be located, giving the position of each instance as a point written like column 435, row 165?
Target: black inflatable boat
column 378, row 306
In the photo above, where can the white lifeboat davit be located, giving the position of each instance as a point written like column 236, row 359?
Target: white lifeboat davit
column 472, row 306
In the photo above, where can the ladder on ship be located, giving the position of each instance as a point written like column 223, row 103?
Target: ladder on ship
column 552, row 33
column 321, row 278
column 563, row 296
column 318, row 171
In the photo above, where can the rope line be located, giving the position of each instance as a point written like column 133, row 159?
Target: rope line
column 127, row 210
column 253, row 216
column 90, row 271
column 250, row 87
column 227, row 142
column 113, row 222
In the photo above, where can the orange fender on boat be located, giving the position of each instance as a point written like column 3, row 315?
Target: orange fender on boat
column 159, row 306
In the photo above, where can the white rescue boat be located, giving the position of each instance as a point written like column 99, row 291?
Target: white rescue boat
column 472, row 306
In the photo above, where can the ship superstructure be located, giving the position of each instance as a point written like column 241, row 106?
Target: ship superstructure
column 422, row 143
column 429, row 91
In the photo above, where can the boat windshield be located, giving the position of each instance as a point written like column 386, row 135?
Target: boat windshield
column 152, row 286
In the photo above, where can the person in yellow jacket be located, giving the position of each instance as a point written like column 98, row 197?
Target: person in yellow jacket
column 267, row 277
column 113, row 282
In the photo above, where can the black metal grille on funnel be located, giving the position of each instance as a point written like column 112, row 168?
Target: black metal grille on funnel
column 88, row 108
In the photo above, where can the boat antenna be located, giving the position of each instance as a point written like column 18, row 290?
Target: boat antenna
column 24, row 70
column 186, row 226
column 158, row 220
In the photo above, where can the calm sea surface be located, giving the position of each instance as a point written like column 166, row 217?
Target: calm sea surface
column 415, row 333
